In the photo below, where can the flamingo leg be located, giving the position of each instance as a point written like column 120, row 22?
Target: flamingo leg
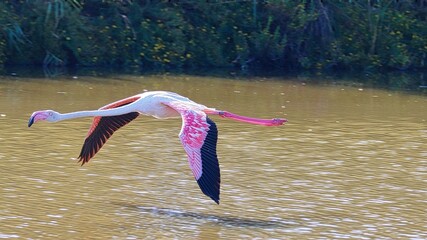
column 258, row 121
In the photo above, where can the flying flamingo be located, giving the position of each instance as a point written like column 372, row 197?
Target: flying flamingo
column 198, row 133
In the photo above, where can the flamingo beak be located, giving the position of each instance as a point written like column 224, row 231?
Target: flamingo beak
column 31, row 121
column 34, row 118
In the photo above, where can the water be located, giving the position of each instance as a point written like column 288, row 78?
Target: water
column 351, row 163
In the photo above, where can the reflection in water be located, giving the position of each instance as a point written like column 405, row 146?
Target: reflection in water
column 351, row 163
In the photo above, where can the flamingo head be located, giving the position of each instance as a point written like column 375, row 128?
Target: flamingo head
column 47, row 115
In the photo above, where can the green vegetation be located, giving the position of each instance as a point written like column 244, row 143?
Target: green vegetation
column 283, row 34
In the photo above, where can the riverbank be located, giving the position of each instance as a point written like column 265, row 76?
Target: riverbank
column 392, row 80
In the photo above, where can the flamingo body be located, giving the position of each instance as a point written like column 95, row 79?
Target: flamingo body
column 198, row 135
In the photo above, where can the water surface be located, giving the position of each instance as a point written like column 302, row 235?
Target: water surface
column 351, row 163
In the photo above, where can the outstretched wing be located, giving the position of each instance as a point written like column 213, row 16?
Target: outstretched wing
column 103, row 128
column 199, row 136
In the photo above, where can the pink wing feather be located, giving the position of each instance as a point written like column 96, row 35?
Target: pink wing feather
column 199, row 137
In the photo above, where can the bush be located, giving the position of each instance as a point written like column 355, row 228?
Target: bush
column 275, row 33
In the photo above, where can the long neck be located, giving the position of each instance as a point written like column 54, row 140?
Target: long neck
column 95, row 113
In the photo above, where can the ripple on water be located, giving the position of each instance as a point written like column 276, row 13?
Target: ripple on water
column 346, row 165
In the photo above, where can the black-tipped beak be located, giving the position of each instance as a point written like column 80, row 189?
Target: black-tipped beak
column 31, row 121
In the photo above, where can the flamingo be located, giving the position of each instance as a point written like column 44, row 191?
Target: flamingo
column 198, row 133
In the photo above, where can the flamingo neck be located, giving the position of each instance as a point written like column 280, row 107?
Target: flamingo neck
column 258, row 121
column 93, row 113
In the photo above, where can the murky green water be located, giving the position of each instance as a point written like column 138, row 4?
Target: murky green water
column 351, row 163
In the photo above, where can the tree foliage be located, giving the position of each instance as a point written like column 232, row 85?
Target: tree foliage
column 283, row 34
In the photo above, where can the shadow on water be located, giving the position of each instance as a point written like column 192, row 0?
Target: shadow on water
column 228, row 221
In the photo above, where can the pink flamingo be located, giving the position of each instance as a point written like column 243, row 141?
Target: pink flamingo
column 198, row 133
